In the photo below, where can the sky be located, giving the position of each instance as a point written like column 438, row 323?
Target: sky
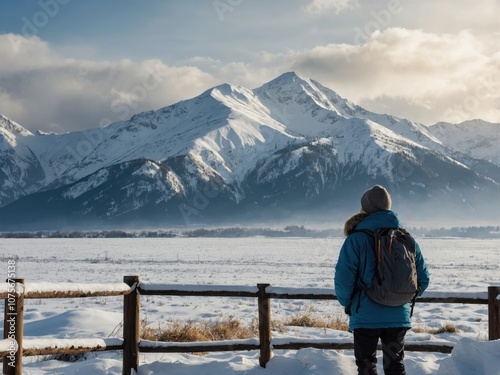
column 67, row 65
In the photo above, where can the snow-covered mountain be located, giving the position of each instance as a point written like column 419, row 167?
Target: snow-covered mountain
column 20, row 170
column 477, row 138
column 291, row 146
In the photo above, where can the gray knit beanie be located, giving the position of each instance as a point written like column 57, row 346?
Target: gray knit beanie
column 375, row 199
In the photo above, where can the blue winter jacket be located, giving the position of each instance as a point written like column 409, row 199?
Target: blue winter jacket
column 356, row 268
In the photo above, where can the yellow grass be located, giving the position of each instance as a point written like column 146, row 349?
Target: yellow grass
column 446, row 328
column 307, row 320
column 189, row 331
column 228, row 329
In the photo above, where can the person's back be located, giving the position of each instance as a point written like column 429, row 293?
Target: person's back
column 354, row 273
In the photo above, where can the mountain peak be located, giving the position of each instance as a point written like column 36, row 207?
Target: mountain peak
column 287, row 79
column 12, row 126
column 226, row 89
column 231, row 96
column 290, row 76
column 291, row 87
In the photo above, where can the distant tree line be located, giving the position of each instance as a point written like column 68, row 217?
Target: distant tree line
column 239, row 232
column 471, row 232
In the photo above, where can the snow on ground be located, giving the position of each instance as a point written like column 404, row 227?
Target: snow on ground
column 456, row 265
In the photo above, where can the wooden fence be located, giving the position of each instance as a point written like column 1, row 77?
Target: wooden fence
column 13, row 348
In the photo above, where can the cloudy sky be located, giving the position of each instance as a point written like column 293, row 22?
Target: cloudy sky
column 70, row 64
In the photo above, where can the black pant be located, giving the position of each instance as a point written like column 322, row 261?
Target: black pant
column 365, row 350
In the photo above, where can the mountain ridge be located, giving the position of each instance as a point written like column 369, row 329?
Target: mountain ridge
column 288, row 146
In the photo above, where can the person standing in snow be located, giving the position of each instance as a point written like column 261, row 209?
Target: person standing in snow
column 370, row 321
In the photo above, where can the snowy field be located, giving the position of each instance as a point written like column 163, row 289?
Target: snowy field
column 456, row 265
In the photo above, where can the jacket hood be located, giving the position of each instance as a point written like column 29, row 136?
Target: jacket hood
column 379, row 219
column 351, row 223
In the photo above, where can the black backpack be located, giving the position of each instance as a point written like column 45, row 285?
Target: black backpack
column 395, row 281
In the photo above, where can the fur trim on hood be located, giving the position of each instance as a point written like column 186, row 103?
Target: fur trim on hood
column 351, row 223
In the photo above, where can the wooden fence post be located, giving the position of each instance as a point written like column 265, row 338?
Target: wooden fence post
column 13, row 327
column 264, row 325
column 131, row 326
column 494, row 312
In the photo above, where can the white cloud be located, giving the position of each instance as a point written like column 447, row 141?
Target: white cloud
column 19, row 53
column 418, row 75
column 15, row 108
column 42, row 90
column 203, row 60
column 320, row 7
column 421, row 76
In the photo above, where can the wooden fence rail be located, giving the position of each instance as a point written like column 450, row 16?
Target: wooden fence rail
column 14, row 292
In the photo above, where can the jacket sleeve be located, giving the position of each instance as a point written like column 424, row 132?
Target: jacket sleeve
column 422, row 272
column 346, row 271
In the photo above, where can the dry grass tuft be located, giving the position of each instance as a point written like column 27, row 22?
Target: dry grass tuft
column 306, row 320
column 446, row 328
column 228, row 329
column 189, row 331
